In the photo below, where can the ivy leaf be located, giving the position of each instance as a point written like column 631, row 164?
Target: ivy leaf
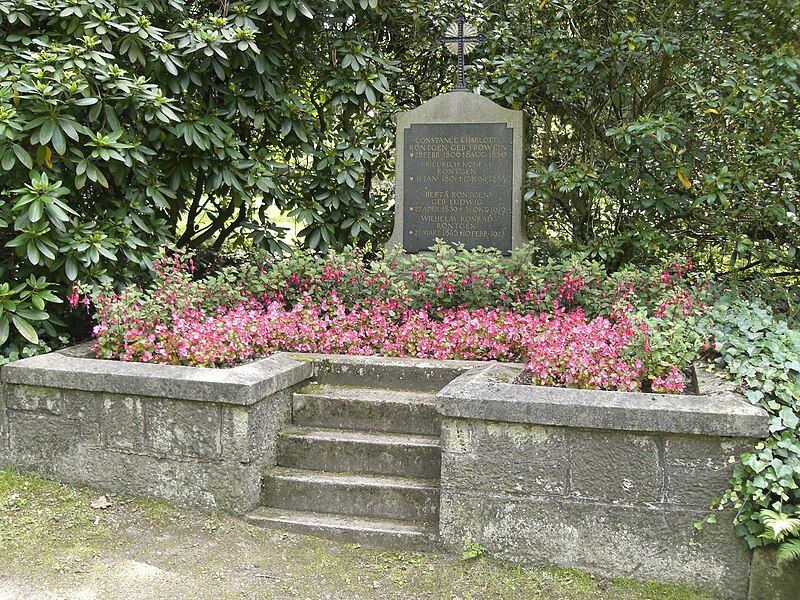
column 789, row 418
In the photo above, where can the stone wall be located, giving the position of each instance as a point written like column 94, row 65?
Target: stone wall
column 606, row 482
column 545, row 477
column 209, row 452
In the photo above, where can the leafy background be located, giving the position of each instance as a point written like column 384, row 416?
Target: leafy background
column 655, row 127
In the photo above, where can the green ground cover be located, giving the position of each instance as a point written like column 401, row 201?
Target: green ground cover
column 55, row 545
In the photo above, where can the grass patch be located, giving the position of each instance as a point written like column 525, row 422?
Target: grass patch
column 51, row 537
column 49, row 524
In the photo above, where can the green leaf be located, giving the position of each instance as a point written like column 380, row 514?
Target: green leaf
column 71, row 268
column 59, row 141
column 33, row 253
column 371, row 98
column 304, row 9
column 25, row 329
column 22, row 156
column 32, row 315
column 46, row 132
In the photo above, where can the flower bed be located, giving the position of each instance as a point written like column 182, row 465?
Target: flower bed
column 551, row 321
column 569, row 321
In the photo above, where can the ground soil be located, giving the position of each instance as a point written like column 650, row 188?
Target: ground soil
column 54, row 544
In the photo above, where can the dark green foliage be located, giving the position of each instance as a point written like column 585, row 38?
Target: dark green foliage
column 657, row 126
column 125, row 126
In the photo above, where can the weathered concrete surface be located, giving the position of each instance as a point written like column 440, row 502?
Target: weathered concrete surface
column 360, row 463
column 245, row 384
column 638, row 542
column 366, row 409
column 606, row 482
column 364, row 531
column 365, row 452
column 195, row 453
column 399, row 498
column 602, row 481
column 194, row 436
column 488, row 394
column 417, row 374
column 773, row 581
column 4, row 458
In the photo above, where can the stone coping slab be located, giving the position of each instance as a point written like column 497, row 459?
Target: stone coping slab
column 76, row 368
column 73, row 368
column 478, row 390
column 486, row 393
column 356, row 361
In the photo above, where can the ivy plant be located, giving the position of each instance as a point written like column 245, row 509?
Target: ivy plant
column 762, row 353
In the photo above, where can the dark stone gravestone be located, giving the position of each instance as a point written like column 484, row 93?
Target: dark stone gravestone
column 459, row 174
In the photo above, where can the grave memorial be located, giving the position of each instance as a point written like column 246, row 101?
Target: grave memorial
column 459, row 167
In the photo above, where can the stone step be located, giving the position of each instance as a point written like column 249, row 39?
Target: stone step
column 396, row 498
column 387, row 372
column 355, row 451
column 366, row 409
column 381, row 533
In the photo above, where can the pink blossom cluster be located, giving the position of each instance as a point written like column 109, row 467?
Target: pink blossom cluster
column 75, row 299
column 672, row 382
column 570, row 350
column 563, row 348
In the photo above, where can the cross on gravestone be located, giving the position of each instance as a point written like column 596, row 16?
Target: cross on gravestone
column 460, row 165
column 460, row 38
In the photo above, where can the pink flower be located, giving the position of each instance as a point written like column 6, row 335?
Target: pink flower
column 74, row 297
column 673, row 382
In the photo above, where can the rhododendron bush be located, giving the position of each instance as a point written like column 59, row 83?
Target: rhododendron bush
column 570, row 324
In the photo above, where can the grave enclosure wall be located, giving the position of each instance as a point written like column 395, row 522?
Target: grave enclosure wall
column 602, row 481
column 199, row 437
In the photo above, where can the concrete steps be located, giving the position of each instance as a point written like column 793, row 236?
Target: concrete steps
column 401, row 535
column 352, row 495
column 357, row 463
column 366, row 409
column 366, row 452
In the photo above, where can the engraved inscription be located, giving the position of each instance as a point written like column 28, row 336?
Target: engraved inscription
column 458, row 185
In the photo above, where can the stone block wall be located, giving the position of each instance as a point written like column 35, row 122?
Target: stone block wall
column 209, row 452
column 526, row 475
column 619, row 503
column 607, row 482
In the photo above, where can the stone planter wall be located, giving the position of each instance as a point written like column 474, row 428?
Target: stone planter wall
column 606, row 482
column 193, row 436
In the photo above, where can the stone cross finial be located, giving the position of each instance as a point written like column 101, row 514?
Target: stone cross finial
column 461, row 38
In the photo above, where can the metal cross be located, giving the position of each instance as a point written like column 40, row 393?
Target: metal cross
column 461, row 38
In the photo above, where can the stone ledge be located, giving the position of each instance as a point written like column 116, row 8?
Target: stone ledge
column 73, row 369
column 487, row 393
column 356, row 361
column 388, row 372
